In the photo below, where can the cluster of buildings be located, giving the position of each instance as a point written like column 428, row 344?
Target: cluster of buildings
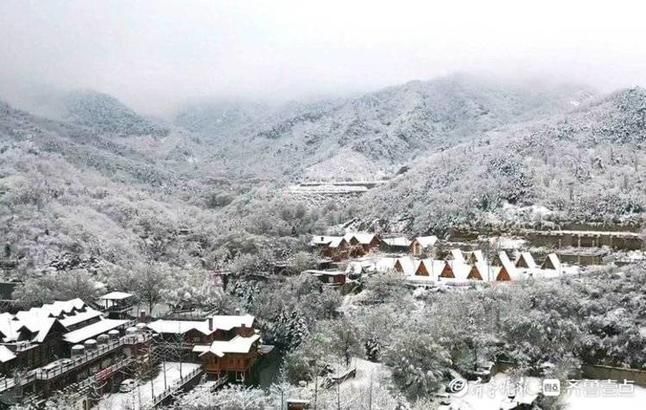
column 461, row 266
column 88, row 349
column 359, row 244
column 67, row 343
column 419, row 259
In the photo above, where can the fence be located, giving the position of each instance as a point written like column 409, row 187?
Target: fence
column 159, row 398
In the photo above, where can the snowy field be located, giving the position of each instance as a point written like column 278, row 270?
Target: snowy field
column 131, row 400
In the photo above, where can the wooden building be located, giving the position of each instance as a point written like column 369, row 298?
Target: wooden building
column 226, row 345
column 234, row 358
column 365, row 241
column 335, row 248
column 63, row 343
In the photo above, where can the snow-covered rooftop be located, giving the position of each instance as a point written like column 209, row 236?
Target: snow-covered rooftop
column 93, row 330
column 362, row 237
column 399, row 242
column 321, row 240
column 238, row 344
column 39, row 320
column 222, row 322
column 426, row 241
column 116, row 296
column 6, row 354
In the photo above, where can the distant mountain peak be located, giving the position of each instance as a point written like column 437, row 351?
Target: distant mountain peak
column 106, row 113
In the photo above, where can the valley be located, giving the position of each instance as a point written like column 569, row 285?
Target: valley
column 215, row 211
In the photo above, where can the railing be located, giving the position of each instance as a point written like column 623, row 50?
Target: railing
column 89, row 355
column 75, row 362
column 105, row 373
column 159, row 398
column 10, row 383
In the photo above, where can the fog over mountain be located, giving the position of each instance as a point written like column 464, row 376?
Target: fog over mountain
column 154, row 56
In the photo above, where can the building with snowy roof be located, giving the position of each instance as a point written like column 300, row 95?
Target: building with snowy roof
column 64, row 342
column 226, row 345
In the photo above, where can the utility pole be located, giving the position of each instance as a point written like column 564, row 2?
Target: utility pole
column 316, row 383
column 338, row 396
column 370, row 393
column 152, row 380
column 164, row 370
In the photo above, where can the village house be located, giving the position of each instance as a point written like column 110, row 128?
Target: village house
column 117, row 305
column 362, row 242
column 422, row 245
column 480, row 271
column 226, row 345
column 336, row 248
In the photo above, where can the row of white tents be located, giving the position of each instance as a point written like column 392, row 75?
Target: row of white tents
column 465, row 266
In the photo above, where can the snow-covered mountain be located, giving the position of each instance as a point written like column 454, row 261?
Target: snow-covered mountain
column 585, row 165
column 375, row 133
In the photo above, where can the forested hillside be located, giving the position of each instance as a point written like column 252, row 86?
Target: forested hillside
column 108, row 189
column 584, row 166
column 74, row 197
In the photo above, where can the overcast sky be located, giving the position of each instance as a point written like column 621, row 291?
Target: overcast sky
column 152, row 54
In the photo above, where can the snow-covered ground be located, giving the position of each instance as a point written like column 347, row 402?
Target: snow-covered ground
column 366, row 370
column 131, row 400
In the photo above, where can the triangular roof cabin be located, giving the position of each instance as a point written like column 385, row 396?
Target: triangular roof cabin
column 405, row 266
column 478, row 271
column 551, row 262
column 526, row 260
column 447, row 271
column 507, row 270
column 422, row 269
